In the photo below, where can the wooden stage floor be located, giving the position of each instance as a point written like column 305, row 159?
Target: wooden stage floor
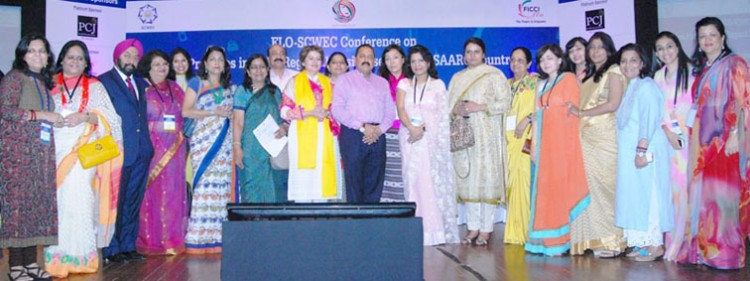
column 448, row 262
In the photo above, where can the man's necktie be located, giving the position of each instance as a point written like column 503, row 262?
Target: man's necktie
column 131, row 89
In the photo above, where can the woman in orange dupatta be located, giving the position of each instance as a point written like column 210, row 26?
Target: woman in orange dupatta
column 559, row 192
column 82, row 194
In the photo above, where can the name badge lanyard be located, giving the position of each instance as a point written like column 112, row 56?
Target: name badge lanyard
column 421, row 96
column 550, row 91
column 41, row 100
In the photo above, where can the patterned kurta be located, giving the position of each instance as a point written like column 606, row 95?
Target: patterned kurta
column 480, row 169
column 27, row 166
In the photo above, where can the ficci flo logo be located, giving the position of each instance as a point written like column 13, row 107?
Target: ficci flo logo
column 343, row 11
column 527, row 10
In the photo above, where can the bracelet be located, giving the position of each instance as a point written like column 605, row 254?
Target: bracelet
column 32, row 115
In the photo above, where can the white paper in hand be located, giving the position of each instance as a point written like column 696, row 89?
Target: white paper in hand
column 266, row 135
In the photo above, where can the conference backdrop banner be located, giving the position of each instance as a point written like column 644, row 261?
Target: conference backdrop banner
column 585, row 17
column 98, row 23
column 247, row 27
column 10, row 28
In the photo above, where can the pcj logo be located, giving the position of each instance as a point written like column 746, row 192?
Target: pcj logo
column 595, row 19
column 87, row 26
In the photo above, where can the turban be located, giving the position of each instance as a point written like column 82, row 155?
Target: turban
column 124, row 45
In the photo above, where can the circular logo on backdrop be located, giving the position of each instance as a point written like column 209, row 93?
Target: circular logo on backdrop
column 343, row 11
column 147, row 14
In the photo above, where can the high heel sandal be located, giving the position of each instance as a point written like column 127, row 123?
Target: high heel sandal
column 468, row 239
column 23, row 275
column 36, row 272
column 482, row 241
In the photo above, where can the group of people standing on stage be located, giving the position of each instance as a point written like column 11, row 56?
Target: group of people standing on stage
column 591, row 153
column 623, row 162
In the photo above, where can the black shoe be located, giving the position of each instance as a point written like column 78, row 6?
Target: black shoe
column 134, row 256
column 37, row 273
column 116, row 258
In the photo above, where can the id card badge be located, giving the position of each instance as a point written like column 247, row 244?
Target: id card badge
column 46, row 132
column 416, row 120
column 691, row 116
column 510, row 123
column 169, row 122
column 674, row 126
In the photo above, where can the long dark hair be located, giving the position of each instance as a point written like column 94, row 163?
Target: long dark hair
column 645, row 70
column 699, row 57
column 226, row 77
column 20, row 64
column 609, row 46
column 64, row 52
column 682, row 62
column 144, row 66
column 426, row 55
column 586, row 61
column 172, row 74
column 247, row 81
column 383, row 69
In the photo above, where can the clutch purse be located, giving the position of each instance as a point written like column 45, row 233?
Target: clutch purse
column 99, row 151
column 281, row 161
column 526, row 146
column 188, row 125
column 462, row 136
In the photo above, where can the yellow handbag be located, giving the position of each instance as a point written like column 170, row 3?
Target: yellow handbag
column 99, row 151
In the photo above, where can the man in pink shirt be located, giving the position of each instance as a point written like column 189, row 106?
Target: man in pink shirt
column 362, row 104
column 279, row 74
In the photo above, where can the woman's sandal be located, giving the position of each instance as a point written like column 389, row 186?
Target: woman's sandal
column 469, row 239
column 37, row 272
column 482, row 241
column 637, row 251
column 650, row 256
column 607, row 254
column 20, row 274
